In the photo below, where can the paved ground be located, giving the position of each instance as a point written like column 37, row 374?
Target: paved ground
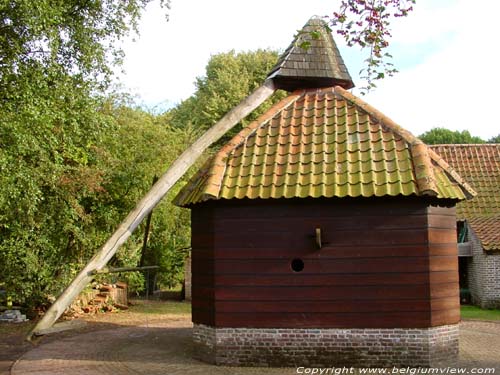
column 165, row 348
column 480, row 344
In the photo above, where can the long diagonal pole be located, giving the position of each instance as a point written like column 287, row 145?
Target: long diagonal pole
column 149, row 201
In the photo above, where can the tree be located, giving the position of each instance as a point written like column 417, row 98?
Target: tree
column 77, row 36
column 48, row 234
column 50, row 132
column 141, row 147
column 55, row 63
column 446, row 136
column 495, row 139
column 366, row 23
column 218, row 91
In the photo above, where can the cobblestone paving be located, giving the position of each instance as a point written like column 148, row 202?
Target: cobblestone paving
column 165, row 348
column 480, row 344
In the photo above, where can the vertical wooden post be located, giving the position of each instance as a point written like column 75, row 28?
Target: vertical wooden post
column 146, row 232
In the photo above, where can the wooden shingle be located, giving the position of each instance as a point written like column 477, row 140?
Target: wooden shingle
column 319, row 64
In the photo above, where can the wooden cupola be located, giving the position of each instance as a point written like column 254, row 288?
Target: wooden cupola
column 311, row 61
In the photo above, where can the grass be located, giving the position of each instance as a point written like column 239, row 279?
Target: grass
column 161, row 307
column 183, row 308
column 474, row 312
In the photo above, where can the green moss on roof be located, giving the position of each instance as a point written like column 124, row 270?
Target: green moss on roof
column 323, row 143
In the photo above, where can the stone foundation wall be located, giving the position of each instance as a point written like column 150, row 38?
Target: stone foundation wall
column 484, row 274
column 428, row 347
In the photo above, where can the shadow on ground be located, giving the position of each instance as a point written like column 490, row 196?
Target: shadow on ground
column 164, row 347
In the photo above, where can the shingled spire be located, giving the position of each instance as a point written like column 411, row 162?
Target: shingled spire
column 311, row 61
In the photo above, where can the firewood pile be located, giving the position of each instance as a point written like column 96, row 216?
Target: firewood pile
column 102, row 298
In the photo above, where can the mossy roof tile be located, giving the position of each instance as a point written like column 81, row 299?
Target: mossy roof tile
column 291, row 152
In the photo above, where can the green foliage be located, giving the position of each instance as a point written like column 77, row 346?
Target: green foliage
column 367, row 25
column 56, row 205
column 445, row 136
column 61, row 204
column 49, row 136
column 143, row 147
column 76, row 36
column 230, row 77
column 495, row 139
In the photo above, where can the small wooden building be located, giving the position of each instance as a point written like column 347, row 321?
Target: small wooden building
column 324, row 234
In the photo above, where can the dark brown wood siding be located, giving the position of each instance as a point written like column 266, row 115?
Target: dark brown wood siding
column 202, row 265
column 384, row 263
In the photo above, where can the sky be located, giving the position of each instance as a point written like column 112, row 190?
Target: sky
column 447, row 53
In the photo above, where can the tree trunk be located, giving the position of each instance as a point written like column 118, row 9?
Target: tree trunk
column 150, row 200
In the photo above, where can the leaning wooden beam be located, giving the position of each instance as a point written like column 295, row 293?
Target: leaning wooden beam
column 150, row 200
column 62, row 326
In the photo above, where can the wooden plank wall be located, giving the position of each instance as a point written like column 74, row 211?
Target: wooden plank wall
column 383, row 264
column 443, row 264
column 202, row 265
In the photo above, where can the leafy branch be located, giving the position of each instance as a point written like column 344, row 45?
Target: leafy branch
column 366, row 23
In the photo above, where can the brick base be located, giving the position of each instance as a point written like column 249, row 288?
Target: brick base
column 427, row 347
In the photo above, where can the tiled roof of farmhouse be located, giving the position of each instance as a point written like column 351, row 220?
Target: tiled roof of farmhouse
column 312, row 60
column 479, row 164
column 487, row 229
column 323, row 143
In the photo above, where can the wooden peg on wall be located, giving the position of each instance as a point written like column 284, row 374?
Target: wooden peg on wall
column 318, row 238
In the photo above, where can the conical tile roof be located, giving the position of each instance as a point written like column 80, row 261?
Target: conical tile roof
column 323, row 143
column 319, row 64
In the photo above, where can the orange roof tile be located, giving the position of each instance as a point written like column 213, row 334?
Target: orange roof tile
column 487, row 229
column 323, row 143
column 479, row 164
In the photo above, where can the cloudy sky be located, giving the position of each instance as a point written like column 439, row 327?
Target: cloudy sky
column 447, row 52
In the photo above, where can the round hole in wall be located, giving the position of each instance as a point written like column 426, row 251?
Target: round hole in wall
column 297, row 265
